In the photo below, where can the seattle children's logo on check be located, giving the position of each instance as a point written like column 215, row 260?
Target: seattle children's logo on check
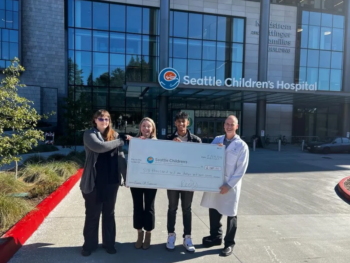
column 169, row 78
column 150, row 159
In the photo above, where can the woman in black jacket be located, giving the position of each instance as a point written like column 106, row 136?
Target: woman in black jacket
column 104, row 166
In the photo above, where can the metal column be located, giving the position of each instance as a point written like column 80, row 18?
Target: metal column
column 263, row 62
column 163, row 63
column 346, row 82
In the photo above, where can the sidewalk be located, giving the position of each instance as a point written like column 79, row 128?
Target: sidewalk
column 289, row 212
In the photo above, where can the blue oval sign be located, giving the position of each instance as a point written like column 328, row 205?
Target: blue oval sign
column 169, row 79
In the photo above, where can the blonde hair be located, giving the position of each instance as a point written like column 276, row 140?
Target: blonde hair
column 154, row 131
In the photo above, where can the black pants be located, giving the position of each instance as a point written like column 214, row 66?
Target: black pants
column 94, row 205
column 216, row 227
column 144, row 208
column 186, row 203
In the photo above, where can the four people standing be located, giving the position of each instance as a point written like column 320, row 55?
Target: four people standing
column 105, row 164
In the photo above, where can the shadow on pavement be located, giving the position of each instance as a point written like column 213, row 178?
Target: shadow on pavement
column 125, row 253
column 336, row 190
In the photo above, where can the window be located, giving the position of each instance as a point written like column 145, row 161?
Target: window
column 206, row 45
column 9, row 35
column 320, row 47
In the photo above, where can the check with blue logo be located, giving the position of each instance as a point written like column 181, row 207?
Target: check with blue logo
column 175, row 165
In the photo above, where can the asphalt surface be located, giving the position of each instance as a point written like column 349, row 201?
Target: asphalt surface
column 289, row 212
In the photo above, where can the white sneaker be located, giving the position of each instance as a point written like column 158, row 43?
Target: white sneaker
column 188, row 244
column 171, row 241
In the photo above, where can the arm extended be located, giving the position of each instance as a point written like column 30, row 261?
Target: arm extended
column 94, row 144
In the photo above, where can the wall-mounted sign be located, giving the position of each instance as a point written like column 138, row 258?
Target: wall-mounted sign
column 280, row 37
column 174, row 78
column 169, row 78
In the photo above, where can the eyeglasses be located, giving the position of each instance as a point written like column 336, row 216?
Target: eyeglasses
column 103, row 119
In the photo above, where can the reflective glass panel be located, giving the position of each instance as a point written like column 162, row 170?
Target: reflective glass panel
column 15, row 20
column 303, row 57
column 181, row 66
column 9, row 19
column 13, row 50
column 117, row 70
column 209, row 27
column 337, row 60
column 338, row 21
column 100, row 75
column 313, row 57
column 83, row 39
column 314, row 37
column 83, row 71
column 70, row 12
column 312, row 75
column 117, row 42
column 70, row 38
column 149, row 69
column 99, row 96
column 237, row 52
column 305, row 18
column 326, row 20
column 117, row 19
column 304, row 36
column 149, row 45
column 194, row 68
column 2, row 19
column 221, row 71
column 180, row 48
column 326, row 38
column 150, row 21
column 100, row 16
column 133, row 68
column 71, row 67
column 222, row 51
column 83, row 13
column 180, row 24
column 170, row 47
column 223, row 32
column 133, row 44
column 133, row 19
column 325, row 59
column 100, row 41
column 209, row 50
column 302, row 74
column 195, row 25
column 336, row 80
column 194, row 49
column 315, row 19
column 337, row 39
column 323, row 83
column 237, row 70
column 238, row 30
column 208, row 68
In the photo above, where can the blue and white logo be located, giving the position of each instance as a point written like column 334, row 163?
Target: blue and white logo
column 150, row 159
column 169, row 79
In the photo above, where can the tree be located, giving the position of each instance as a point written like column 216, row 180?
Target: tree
column 18, row 115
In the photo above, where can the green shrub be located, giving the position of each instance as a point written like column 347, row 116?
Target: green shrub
column 9, row 185
column 63, row 169
column 35, row 159
column 11, row 210
column 56, row 157
column 37, row 173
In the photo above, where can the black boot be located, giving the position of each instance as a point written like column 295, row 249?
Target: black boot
column 210, row 241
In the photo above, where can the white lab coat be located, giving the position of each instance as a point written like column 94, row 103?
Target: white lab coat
column 236, row 163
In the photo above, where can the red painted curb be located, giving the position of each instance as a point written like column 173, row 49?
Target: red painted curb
column 13, row 239
column 345, row 193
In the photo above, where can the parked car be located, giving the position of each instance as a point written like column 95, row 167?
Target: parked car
column 330, row 145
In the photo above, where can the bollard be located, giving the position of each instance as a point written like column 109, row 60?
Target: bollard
column 279, row 145
column 302, row 145
column 254, row 145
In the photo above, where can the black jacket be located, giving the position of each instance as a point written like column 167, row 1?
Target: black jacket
column 190, row 137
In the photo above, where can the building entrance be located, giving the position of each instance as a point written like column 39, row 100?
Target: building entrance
column 208, row 128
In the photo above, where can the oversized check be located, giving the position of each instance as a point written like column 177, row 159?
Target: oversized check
column 175, row 165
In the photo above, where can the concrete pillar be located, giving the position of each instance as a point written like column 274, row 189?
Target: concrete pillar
column 163, row 63
column 346, row 79
column 263, row 62
column 345, row 120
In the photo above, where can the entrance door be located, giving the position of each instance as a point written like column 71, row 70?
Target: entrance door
column 208, row 128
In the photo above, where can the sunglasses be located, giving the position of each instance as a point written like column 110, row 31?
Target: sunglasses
column 103, row 119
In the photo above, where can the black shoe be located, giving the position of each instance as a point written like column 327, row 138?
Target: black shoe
column 210, row 241
column 110, row 250
column 227, row 251
column 85, row 253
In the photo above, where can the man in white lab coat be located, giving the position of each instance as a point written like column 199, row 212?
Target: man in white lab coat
column 226, row 202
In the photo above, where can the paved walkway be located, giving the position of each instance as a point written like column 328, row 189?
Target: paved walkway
column 289, row 212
